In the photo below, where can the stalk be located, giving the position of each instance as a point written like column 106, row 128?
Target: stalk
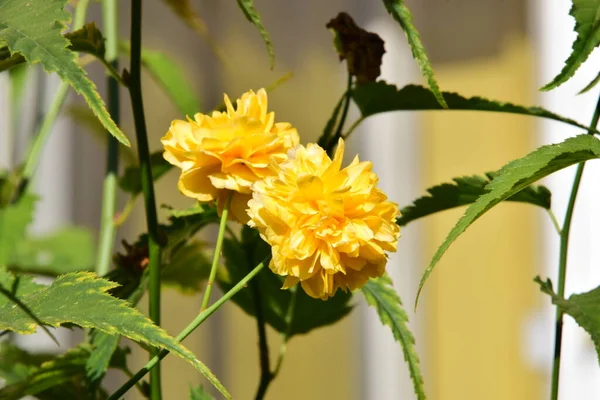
column 109, row 192
column 562, row 264
column 135, row 90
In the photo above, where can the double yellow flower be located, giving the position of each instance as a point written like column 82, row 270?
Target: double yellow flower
column 329, row 227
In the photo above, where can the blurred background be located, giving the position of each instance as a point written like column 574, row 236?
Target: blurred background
column 483, row 328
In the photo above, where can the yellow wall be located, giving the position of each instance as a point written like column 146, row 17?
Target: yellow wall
column 480, row 293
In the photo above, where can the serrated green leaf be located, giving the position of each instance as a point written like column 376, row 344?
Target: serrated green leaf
column 403, row 16
column 81, row 298
column 466, row 190
column 590, row 85
column 309, row 313
column 198, row 208
column 380, row 97
column 199, row 393
column 131, row 181
column 587, row 27
column 33, row 29
column 252, row 15
column 583, row 307
column 103, row 348
column 171, row 78
column 68, row 250
column 516, row 176
column 14, row 220
column 381, row 295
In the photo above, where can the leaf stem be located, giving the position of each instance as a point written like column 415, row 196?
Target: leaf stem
column 109, row 192
column 154, row 251
column 217, row 254
column 554, row 221
column 189, row 329
column 562, row 263
column 41, row 137
column 338, row 133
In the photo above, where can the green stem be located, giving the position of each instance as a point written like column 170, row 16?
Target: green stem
column 135, row 90
column 338, row 133
column 554, row 221
column 289, row 318
column 265, row 369
column 352, row 128
column 217, row 254
column 41, row 137
column 562, row 264
column 189, row 329
column 109, row 194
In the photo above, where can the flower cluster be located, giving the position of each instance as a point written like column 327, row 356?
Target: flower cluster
column 329, row 227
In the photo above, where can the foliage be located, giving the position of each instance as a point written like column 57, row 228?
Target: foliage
column 516, row 176
column 252, row 15
column 379, row 97
column 83, row 301
column 587, row 18
column 381, row 295
column 33, row 29
column 583, row 307
column 466, row 190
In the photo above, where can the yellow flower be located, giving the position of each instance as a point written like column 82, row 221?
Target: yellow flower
column 329, row 227
column 225, row 153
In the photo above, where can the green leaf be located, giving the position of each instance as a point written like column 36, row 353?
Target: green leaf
column 187, row 269
column 516, row 176
column 62, row 372
column 81, row 298
column 131, row 181
column 33, row 29
column 171, row 78
column 68, row 250
column 402, row 14
column 103, row 348
column 253, row 16
column 587, row 26
column 14, row 220
column 379, row 97
column 308, row 314
column 466, row 190
column 381, row 295
column 583, row 307
column 199, row 393
column 198, row 208
column 590, row 85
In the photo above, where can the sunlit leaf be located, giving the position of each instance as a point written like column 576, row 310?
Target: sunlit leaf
column 583, row 307
column 380, row 97
column 253, row 16
column 81, row 298
column 587, row 24
column 516, row 176
column 33, row 29
column 402, row 14
column 381, row 295
column 463, row 191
